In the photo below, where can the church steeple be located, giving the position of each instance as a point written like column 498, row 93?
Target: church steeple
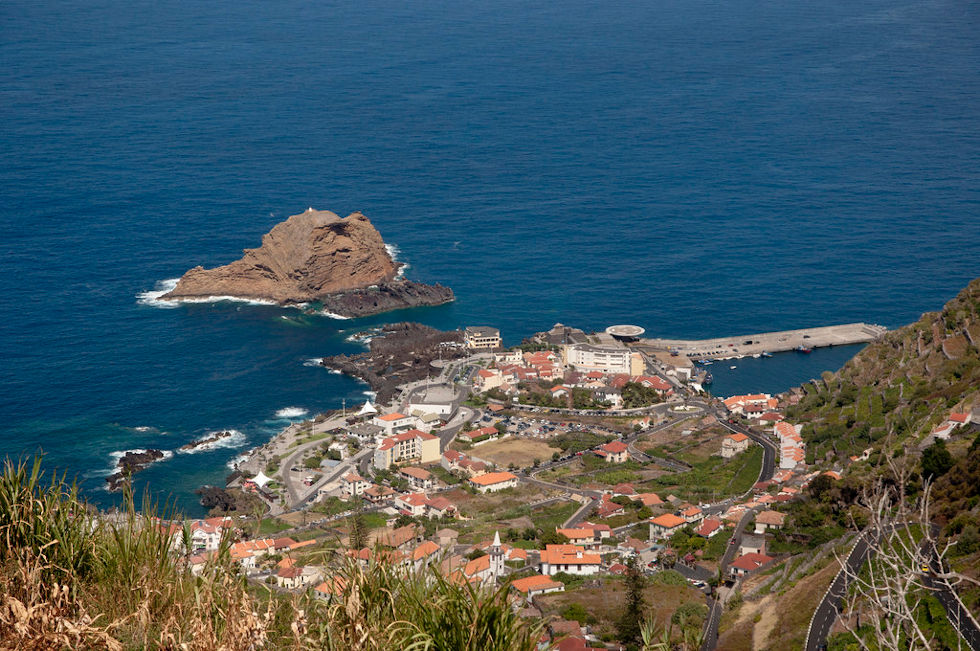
column 496, row 557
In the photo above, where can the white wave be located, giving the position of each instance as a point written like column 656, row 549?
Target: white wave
column 236, row 440
column 143, row 428
column 313, row 361
column 370, row 394
column 234, row 461
column 162, row 287
column 393, row 251
column 332, row 315
column 336, row 372
column 287, row 413
column 152, row 297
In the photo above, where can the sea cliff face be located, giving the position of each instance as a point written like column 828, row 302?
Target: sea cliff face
column 315, row 256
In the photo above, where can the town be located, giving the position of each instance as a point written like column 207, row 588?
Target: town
column 555, row 468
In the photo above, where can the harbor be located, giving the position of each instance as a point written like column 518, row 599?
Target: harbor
column 762, row 344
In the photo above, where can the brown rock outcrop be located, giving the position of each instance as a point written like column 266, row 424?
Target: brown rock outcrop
column 306, row 258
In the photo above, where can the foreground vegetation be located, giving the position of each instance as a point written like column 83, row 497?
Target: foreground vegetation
column 70, row 578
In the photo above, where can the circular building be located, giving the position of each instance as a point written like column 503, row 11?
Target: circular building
column 625, row 332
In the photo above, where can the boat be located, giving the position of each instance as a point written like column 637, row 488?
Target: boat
column 803, row 349
column 733, row 367
column 706, row 362
column 765, row 354
column 707, row 379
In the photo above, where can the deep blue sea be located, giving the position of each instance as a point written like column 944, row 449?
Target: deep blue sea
column 696, row 167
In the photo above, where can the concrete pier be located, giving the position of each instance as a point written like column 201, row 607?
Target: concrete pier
column 770, row 342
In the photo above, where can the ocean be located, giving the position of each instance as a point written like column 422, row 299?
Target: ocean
column 699, row 168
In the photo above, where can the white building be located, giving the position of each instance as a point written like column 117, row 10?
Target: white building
column 482, row 337
column 734, row 444
column 570, row 559
column 605, row 359
column 492, row 482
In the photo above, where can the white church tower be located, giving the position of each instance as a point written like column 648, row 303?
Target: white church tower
column 496, row 557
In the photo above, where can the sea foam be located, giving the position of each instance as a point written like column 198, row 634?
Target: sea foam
column 236, row 440
column 288, row 413
column 162, row 287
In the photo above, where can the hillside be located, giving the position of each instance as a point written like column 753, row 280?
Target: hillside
column 894, row 392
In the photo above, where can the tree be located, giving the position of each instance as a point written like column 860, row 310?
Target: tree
column 556, row 456
column 629, row 627
column 357, row 538
column 936, row 460
column 553, row 538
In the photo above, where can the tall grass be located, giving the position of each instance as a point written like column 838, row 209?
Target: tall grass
column 73, row 578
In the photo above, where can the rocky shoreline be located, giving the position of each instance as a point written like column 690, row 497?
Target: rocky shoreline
column 384, row 297
column 129, row 464
column 335, row 265
column 401, row 353
column 214, row 438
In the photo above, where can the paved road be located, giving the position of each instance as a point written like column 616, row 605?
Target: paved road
column 958, row 616
column 769, row 449
column 829, row 607
column 715, row 609
column 826, row 612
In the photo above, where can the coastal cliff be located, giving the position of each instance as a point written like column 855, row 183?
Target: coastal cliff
column 315, row 257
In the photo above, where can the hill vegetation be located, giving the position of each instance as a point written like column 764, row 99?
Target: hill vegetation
column 891, row 394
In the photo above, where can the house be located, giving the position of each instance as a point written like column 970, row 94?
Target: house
column 752, row 545
column 666, row 525
column 748, row 563
column 353, row 484
column 587, row 538
column 453, row 460
column 420, row 505
column 477, row 435
column 531, row 586
column 492, row 482
column 559, row 391
column 378, row 494
column 402, row 538
column 709, row 527
column 418, row 478
column 691, row 514
column 602, row 531
column 206, row 534
column 508, row 357
column 482, row 338
column 486, row 379
column 734, row 444
column 613, row 452
column 411, row 445
column 626, row 490
column 769, row 520
column 291, row 578
column 440, row 507
column 425, row 553
column 737, row 404
column 607, row 508
column 608, row 394
column 394, row 423
column 414, row 504
column 658, row 384
column 648, row 499
column 770, row 418
column 570, row 559
column 447, row 537
column 791, row 447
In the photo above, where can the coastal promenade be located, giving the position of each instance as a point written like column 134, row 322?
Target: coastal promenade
column 769, row 342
